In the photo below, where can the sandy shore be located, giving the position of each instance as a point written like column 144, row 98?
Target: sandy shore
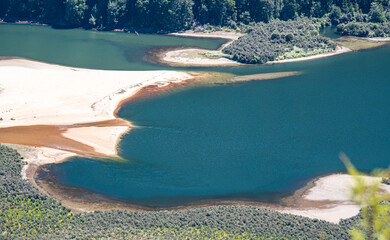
column 328, row 198
column 339, row 50
column 42, row 94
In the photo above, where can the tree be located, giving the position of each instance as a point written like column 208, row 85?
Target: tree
column 115, row 12
column 375, row 223
column 376, row 13
column 289, row 37
column 75, row 11
column 262, row 10
column 335, row 14
column 289, row 10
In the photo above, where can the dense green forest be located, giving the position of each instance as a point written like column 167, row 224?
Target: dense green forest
column 173, row 15
column 278, row 40
column 25, row 213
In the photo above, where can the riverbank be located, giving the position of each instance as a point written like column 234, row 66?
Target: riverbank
column 339, row 50
column 62, row 112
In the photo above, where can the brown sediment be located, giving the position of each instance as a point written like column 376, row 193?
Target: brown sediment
column 199, row 78
column 358, row 43
column 298, row 201
column 51, row 136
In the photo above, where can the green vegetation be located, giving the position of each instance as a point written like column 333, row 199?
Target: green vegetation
column 386, row 180
column 375, row 223
column 25, row 213
column 174, row 15
column 364, row 29
column 279, row 40
column 214, row 55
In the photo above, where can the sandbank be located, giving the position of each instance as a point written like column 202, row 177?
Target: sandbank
column 72, row 108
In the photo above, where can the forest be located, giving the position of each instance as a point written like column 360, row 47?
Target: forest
column 176, row 15
column 25, row 213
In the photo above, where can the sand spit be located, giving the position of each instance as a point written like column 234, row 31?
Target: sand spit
column 192, row 57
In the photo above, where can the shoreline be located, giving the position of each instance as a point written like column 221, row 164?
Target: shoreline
column 61, row 115
column 190, row 57
column 95, row 113
column 339, row 50
column 324, row 198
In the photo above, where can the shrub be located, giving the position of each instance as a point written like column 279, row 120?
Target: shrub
column 277, row 39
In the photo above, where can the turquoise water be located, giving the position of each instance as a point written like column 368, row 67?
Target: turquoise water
column 89, row 49
column 255, row 140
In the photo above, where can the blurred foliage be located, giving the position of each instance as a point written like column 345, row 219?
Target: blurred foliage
column 375, row 212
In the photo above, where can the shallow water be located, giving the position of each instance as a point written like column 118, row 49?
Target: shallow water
column 89, row 49
column 248, row 140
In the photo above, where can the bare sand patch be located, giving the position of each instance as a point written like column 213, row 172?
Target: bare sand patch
column 329, row 198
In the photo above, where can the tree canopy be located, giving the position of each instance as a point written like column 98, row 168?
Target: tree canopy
column 175, row 15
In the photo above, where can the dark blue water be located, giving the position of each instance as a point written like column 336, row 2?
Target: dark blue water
column 249, row 139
